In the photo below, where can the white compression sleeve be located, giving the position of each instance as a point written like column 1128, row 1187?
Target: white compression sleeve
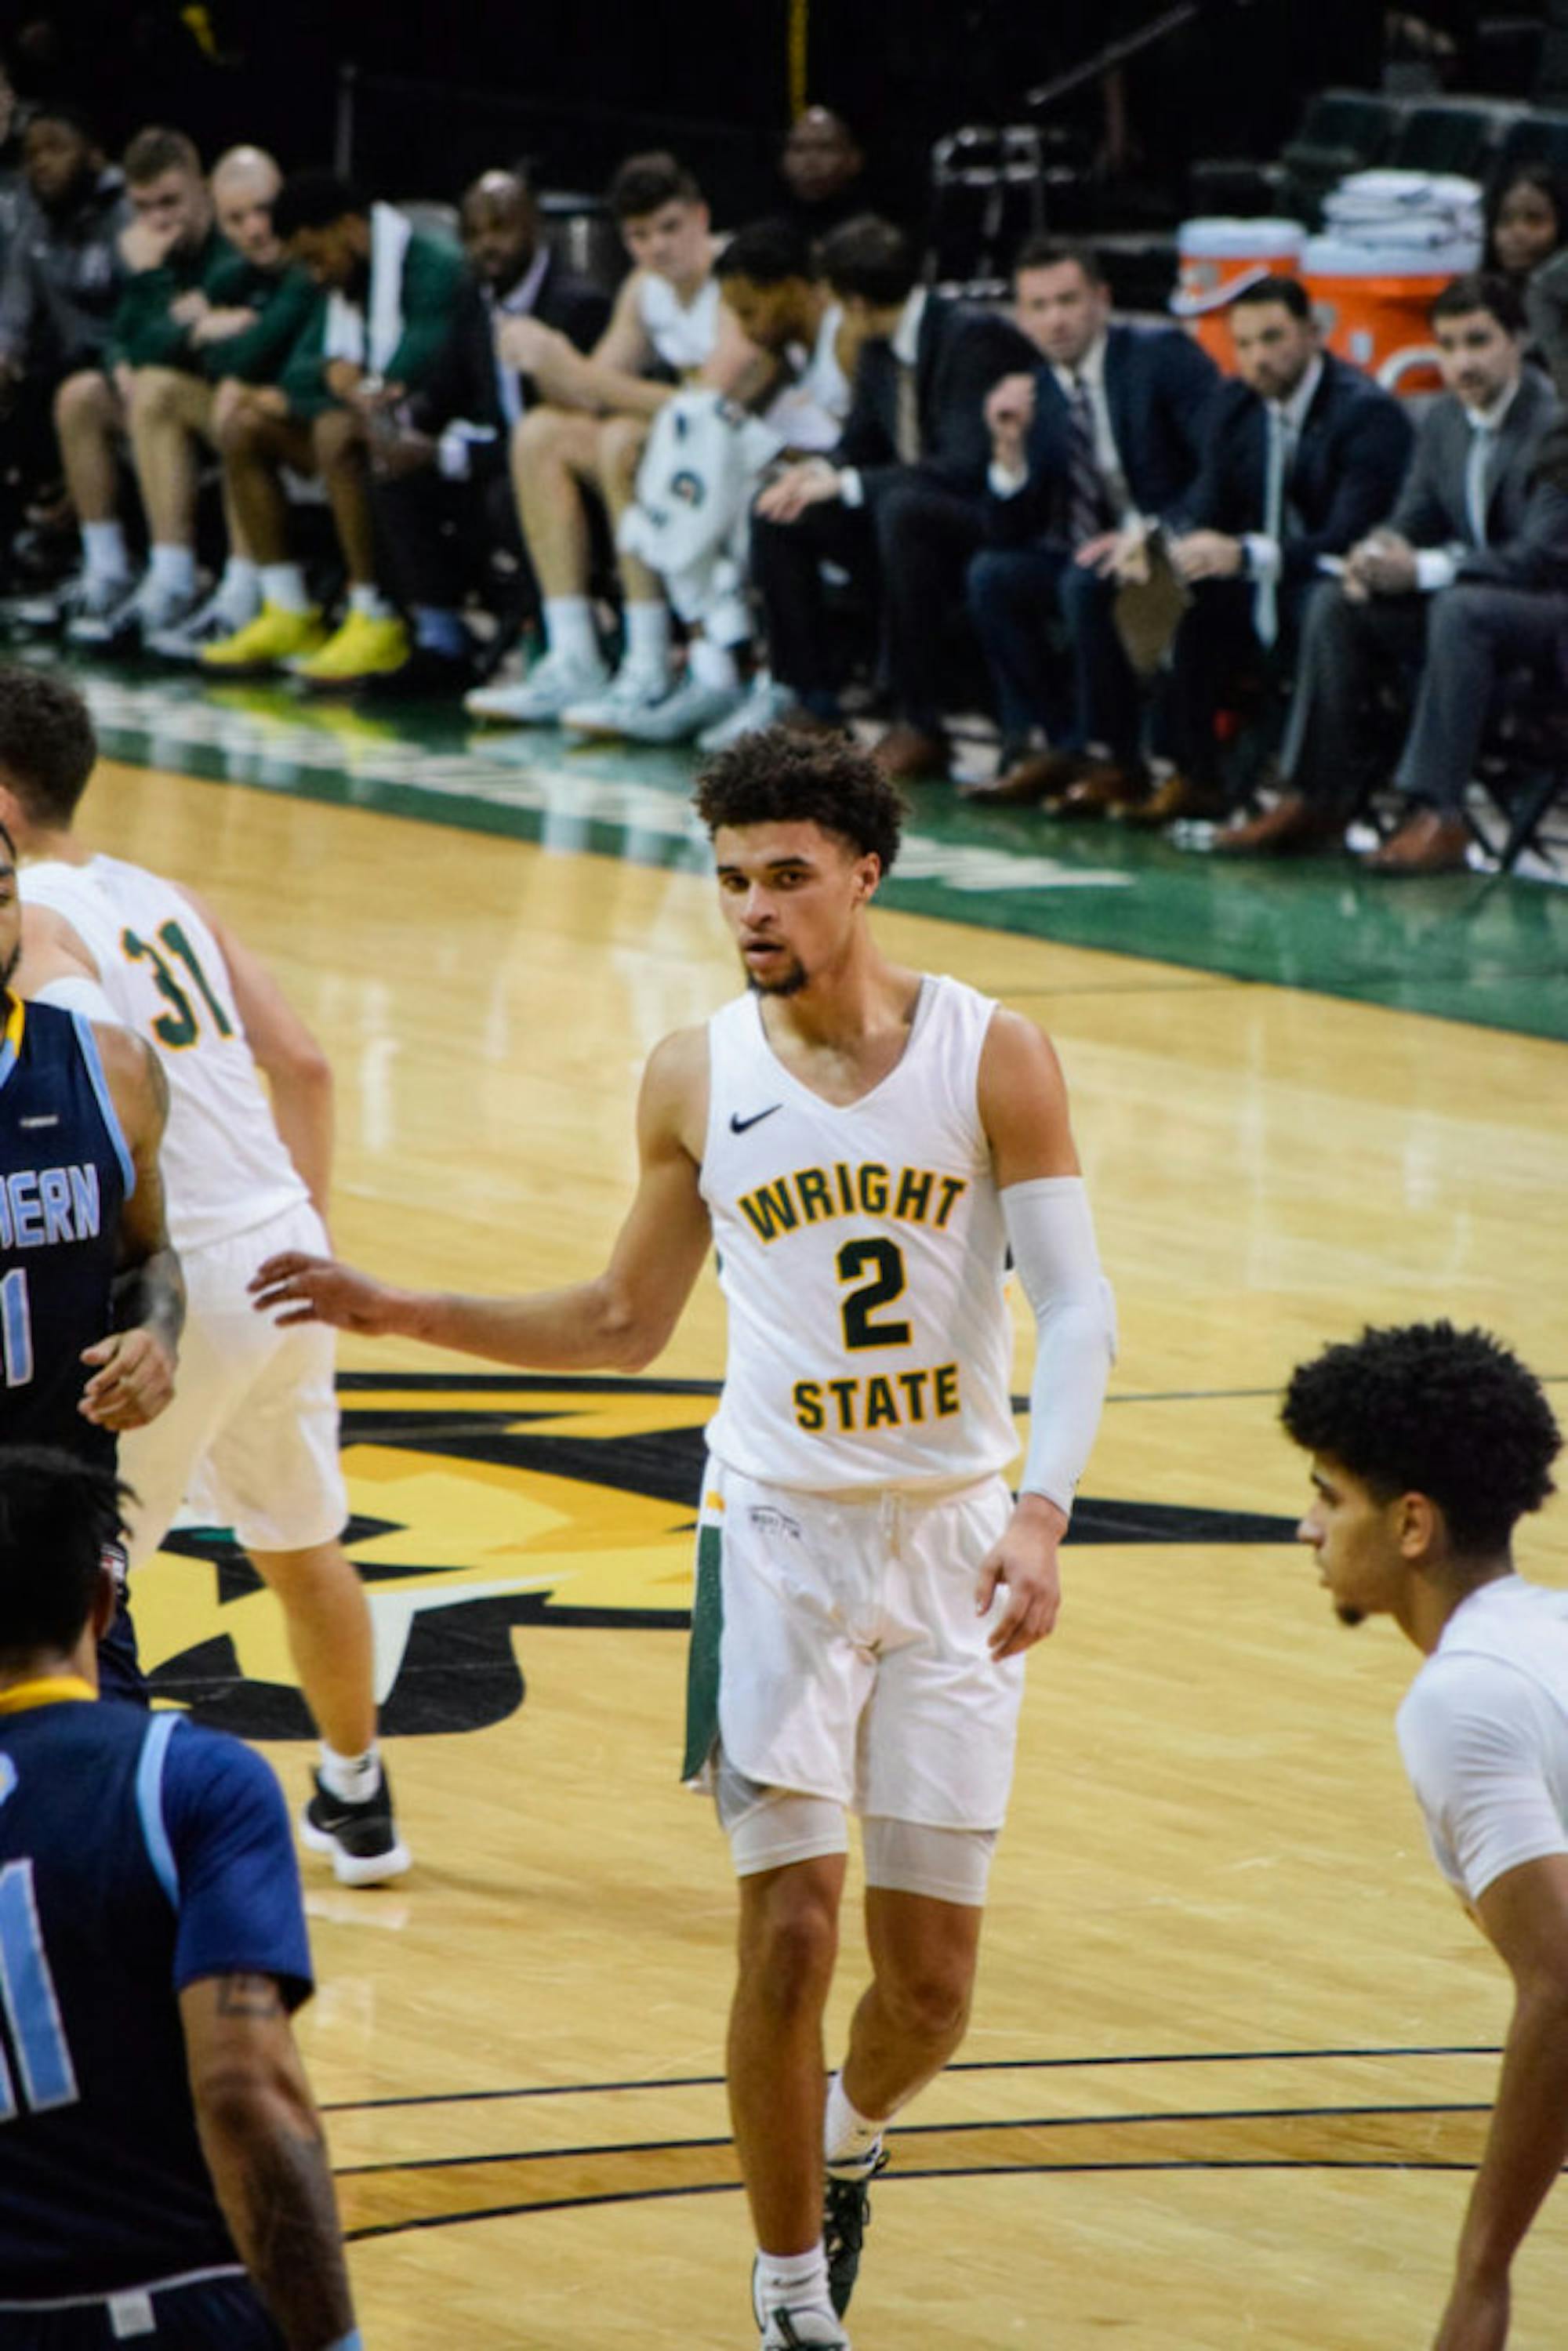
column 1051, row 1234
column 74, row 992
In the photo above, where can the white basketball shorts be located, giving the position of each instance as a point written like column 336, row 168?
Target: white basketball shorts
column 836, row 1650
column 251, row 1438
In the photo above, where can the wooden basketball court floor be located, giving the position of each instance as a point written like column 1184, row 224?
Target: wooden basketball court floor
column 1234, row 2042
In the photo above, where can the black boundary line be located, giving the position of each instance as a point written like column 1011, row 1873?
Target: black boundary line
column 962, row 2065
column 913, row 2131
column 526, row 1383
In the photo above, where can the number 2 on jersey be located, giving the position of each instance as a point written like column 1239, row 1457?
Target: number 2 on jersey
column 180, row 1026
column 885, row 1284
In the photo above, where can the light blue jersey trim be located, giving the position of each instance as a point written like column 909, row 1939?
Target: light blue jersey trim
column 149, row 1803
column 90, row 1054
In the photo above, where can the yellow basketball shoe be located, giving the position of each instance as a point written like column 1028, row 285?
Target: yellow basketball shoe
column 362, row 647
column 274, row 637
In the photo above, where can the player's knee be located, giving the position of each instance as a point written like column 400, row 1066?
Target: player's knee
column 929, row 2001
column 155, row 394
column 83, row 399
column 789, row 1954
column 237, row 428
column 622, row 441
column 337, row 439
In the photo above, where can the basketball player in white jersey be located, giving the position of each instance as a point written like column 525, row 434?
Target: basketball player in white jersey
column 865, row 1145
column 585, row 438
column 252, row 1433
column 1429, row 1445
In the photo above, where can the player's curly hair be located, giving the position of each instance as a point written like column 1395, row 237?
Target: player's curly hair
column 1427, row 1409
column 774, row 776
column 48, row 747
column 58, row 1515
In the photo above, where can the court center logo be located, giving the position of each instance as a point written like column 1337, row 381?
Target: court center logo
column 482, row 1504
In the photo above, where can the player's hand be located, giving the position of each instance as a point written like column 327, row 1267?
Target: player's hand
column 133, row 1382
column 144, row 246
column 217, row 326
column 1025, row 1561
column 1477, row 2317
column 319, row 1289
column 790, row 493
column 1382, row 565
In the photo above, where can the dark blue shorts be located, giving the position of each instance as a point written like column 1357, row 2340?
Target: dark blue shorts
column 223, row 2314
column 120, row 1673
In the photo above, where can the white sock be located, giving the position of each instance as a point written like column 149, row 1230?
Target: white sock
column 848, row 2136
column 352, row 1778
column 648, row 637
column 283, row 585
column 103, row 551
column 786, row 2281
column 713, row 666
column 370, row 604
column 568, row 627
column 240, row 587
column 173, row 568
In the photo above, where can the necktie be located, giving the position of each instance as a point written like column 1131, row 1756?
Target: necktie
column 906, row 413
column 1482, row 437
column 1277, row 467
column 1086, row 504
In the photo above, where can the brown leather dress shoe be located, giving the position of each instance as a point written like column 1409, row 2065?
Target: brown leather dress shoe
column 1293, row 826
column 1101, row 789
column 1427, row 842
column 1177, row 796
column 1044, row 775
column 905, row 753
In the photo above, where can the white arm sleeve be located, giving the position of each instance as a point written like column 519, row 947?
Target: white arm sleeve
column 1051, row 1234
column 76, row 992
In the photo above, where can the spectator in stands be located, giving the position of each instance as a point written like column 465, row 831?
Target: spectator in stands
column 823, row 168
column 703, row 465
column 61, row 285
column 583, row 444
column 441, row 488
column 392, row 297
column 1467, row 572
column 1303, row 453
column 1526, row 223
column 1099, row 442
column 900, row 504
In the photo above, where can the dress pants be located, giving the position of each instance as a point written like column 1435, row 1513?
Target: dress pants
column 1218, row 654
column 1021, row 600
column 1331, row 754
column 1477, row 634
column 434, row 537
column 911, row 547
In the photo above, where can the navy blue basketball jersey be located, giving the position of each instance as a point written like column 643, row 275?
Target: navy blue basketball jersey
column 65, row 1172
column 137, row 1854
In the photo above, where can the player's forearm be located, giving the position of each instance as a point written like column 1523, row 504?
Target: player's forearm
column 269, row 2159
column 1527, row 2144
column 585, row 1329
column 589, row 383
column 303, row 1109
column 152, row 1297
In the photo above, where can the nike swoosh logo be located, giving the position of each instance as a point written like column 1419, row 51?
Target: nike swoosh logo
column 738, row 1125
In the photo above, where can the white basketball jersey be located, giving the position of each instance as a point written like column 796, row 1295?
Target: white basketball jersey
column 225, row 1166
column 863, row 1256
column 809, row 412
column 683, row 333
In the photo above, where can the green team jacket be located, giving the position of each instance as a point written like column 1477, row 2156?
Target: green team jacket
column 432, row 276
column 144, row 335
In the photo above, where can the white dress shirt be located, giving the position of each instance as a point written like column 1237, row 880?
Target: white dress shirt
column 1286, row 417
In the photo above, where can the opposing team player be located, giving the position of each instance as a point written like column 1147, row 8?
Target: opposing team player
column 254, row 1418
column 865, row 1145
column 90, row 1296
column 163, row 2181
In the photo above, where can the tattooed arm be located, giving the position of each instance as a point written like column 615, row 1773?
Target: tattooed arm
column 268, row 2154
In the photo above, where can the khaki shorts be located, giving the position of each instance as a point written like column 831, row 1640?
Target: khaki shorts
column 836, row 1651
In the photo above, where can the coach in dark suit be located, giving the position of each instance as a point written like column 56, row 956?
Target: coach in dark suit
column 900, row 503
column 1104, row 437
column 1303, row 455
column 1465, row 543
column 443, row 490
